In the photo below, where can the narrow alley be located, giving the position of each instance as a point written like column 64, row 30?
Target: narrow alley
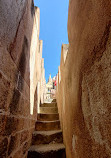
column 67, row 115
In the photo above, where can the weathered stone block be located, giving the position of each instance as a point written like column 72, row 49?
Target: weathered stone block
column 32, row 123
column 22, row 152
column 3, row 147
column 4, row 92
column 19, row 104
column 14, row 124
column 3, row 119
column 9, row 69
column 24, row 107
column 22, row 124
column 18, row 154
column 24, row 136
column 11, row 125
column 7, row 66
column 26, row 147
column 14, row 143
column 30, row 133
column 14, row 103
column 22, row 85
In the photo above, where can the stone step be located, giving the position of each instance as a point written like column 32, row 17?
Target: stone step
column 47, row 125
column 47, row 151
column 49, row 104
column 48, row 110
column 46, row 137
column 47, row 117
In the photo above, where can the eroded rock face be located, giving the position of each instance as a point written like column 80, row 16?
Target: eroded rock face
column 86, row 80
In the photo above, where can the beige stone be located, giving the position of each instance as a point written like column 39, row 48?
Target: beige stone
column 84, row 81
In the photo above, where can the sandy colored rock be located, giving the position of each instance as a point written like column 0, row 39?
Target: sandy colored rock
column 84, row 82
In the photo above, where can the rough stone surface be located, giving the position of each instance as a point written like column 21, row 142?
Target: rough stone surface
column 47, row 125
column 48, row 117
column 48, row 110
column 84, row 82
column 3, row 147
column 46, row 137
column 47, row 140
column 21, row 68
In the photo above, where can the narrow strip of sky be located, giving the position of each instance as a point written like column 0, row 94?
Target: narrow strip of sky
column 53, row 31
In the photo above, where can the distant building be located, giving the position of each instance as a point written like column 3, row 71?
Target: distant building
column 50, row 88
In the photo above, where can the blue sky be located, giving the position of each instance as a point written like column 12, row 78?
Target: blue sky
column 53, row 31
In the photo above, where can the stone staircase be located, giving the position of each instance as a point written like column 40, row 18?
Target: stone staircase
column 47, row 139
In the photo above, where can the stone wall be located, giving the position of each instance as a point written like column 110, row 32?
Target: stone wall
column 60, row 95
column 84, row 81
column 20, row 59
column 42, row 83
